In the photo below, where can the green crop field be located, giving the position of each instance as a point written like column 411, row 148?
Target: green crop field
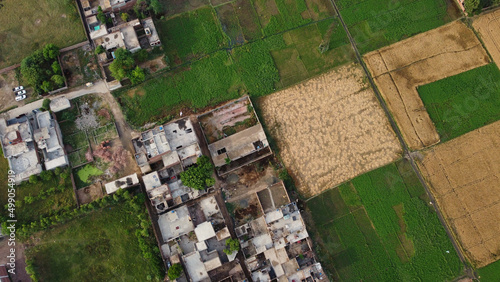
column 379, row 227
column 26, row 26
column 101, row 246
column 463, row 102
column 377, row 23
column 190, row 34
column 489, row 273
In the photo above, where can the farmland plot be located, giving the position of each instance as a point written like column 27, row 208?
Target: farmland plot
column 378, row 227
column 463, row 102
column 463, row 174
column 488, row 26
column 330, row 129
column 377, row 23
column 400, row 68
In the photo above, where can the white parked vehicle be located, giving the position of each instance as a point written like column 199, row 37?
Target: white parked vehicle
column 22, row 92
column 20, row 98
column 18, row 88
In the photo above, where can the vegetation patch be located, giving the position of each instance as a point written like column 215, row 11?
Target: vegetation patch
column 110, row 238
column 28, row 26
column 375, row 23
column 463, row 102
column 489, row 273
column 84, row 175
column 378, row 228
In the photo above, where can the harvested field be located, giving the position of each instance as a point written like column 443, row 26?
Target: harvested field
column 463, row 175
column 400, row 68
column 330, row 129
column 488, row 26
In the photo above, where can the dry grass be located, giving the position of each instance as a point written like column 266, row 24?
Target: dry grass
column 488, row 26
column 400, row 68
column 463, row 175
column 330, row 129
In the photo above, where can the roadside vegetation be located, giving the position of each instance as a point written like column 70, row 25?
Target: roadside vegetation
column 41, row 70
column 380, row 227
column 26, row 26
column 464, row 102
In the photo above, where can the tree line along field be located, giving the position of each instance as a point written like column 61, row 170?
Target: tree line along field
column 464, row 102
column 216, row 71
column 379, row 227
column 26, row 26
column 376, row 23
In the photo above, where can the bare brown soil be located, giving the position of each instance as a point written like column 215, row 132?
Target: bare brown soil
column 488, row 26
column 400, row 68
column 90, row 193
column 330, row 129
column 463, row 175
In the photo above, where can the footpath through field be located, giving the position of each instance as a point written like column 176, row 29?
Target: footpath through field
column 406, row 151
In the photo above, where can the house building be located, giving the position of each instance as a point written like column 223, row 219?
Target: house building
column 48, row 138
column 122, row 183
column 234, row 135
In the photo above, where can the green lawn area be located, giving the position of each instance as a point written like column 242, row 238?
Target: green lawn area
column 378, row 227
column 101, row 246
column 4, row 168
column 377, row 23
column 26, row 26
column 463, row 102
column 83, row 174
column 489, row 273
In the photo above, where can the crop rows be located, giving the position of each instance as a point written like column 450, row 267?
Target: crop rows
column 395, row 237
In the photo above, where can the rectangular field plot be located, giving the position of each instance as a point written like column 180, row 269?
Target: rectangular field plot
column 77, row 158
column 463, row 102
column 463, row 175
column 489, row 273
column 376, row 23
column 104, row 133
column 378, row 227
column 76, row 141
column 302, row 59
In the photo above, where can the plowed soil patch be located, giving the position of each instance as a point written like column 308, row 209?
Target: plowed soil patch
column 488, row 26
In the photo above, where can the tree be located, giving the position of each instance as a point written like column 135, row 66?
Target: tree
column 46, row 175
column 58, row 80
column 50, row 52
column 56, row 68
column 124, row 17
column 31, row 71
column 471, row 5
column 99, row 50
column 46, row 86
column 232, row 245
column 101, row 16
column 156, row 6
column 46, row 104
column 174, row 271
column 33, row 179
column 199, row 176
column 122, row 63
column 137, row 75
column 58, row 170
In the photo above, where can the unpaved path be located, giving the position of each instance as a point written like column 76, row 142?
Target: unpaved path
column 400, row 68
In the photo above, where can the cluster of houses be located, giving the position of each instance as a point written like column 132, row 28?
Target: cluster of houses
column 32, row 142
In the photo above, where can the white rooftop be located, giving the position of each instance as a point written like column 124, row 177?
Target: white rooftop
column 122, row 183
column 151, row 180
column 204, row 231
column 195, row 267
column 59, row 104
column 175, row 223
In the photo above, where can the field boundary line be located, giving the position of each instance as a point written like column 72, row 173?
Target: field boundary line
column 406, row 151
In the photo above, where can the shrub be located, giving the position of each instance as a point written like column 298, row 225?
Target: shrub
column 33, row 179
column 124, row 17
column 99, row 49
column 56, row 68
column 232, row 245
column 46, row 104
column 174, row 271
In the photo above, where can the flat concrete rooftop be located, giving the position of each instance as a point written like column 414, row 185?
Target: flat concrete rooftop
column 175, row 223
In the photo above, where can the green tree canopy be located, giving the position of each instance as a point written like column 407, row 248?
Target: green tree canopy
column 174, row 271
column 46, row 104
column 99, row 49
column 199, row 176
column 56, row 68
column 232, row 245
column 124, row 17
column 137, row 75
column 122, row 64
column 471, row 6
column 50, row 52
column 58, row 80
column 156, row 6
